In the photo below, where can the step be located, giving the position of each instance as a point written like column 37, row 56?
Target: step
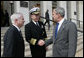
column 3, row 31
column 79, row 44
column 1, row 53
column 49, row 30
column 79, row 41
column 27, row 44
column 22, row 28
column 2, row 35
column 80, row 37
column 79, row 54
column 27, row 48
column 1, row 38
column 4, row 28
column 2, row 43
column 2, row 48
column 79, row 47
column 80, row 34
column 49, row 34
column 28, row 54
column 80, row 29
column 49, row 53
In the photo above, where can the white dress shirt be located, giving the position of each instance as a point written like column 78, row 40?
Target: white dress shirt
column 17, row 27
column 60, row 23
column 35, row 22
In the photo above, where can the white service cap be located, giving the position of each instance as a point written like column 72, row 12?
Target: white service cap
column 35, row 10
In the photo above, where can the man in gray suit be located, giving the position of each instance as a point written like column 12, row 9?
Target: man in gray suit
column 64, row 37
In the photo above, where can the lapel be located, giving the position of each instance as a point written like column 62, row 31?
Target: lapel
column 19, row 33
column 15, row 28
column 40, row 25
column 61, row 28
column 36, row 27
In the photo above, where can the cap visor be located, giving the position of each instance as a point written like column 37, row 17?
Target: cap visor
column 35, row 12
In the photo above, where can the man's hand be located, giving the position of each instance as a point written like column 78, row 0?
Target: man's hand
column 46, row 48
column 41, row 42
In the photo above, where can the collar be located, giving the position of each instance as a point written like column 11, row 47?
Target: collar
column 34, row 22
column 16, row 27
column 60, row 22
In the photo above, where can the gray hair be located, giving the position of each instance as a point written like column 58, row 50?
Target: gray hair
column 15, row 16
column 60, row 10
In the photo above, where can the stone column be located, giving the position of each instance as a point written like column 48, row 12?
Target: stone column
column 24, row 10
column 44, row 6
column 7, row 6
column 64, row 5
column 73, row 11
column 68, row 10
column 80, row 12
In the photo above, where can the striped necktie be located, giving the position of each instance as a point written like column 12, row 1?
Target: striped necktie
column 37, row 23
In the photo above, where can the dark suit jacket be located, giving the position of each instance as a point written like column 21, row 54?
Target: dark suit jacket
column 36, row 32
column 66, row 41
column 33, row 31
column 13, row 43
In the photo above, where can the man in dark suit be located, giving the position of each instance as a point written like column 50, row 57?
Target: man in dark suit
column 35, row 34
column 13, row 40
column 47, row 19
column 6, row 18
column 64, row 37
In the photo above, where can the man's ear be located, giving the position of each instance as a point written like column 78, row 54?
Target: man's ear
column 16, row 20
column 59, row 15
column 31, row 16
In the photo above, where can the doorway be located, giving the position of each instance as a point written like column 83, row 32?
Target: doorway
column 5, row 13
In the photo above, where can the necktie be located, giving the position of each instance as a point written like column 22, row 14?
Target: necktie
column 56, row 29
column 20, row 32
column 37, row 24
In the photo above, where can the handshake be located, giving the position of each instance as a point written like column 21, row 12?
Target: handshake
column 41, row 42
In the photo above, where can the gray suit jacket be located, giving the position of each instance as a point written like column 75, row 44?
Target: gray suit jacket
column 66, row 42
